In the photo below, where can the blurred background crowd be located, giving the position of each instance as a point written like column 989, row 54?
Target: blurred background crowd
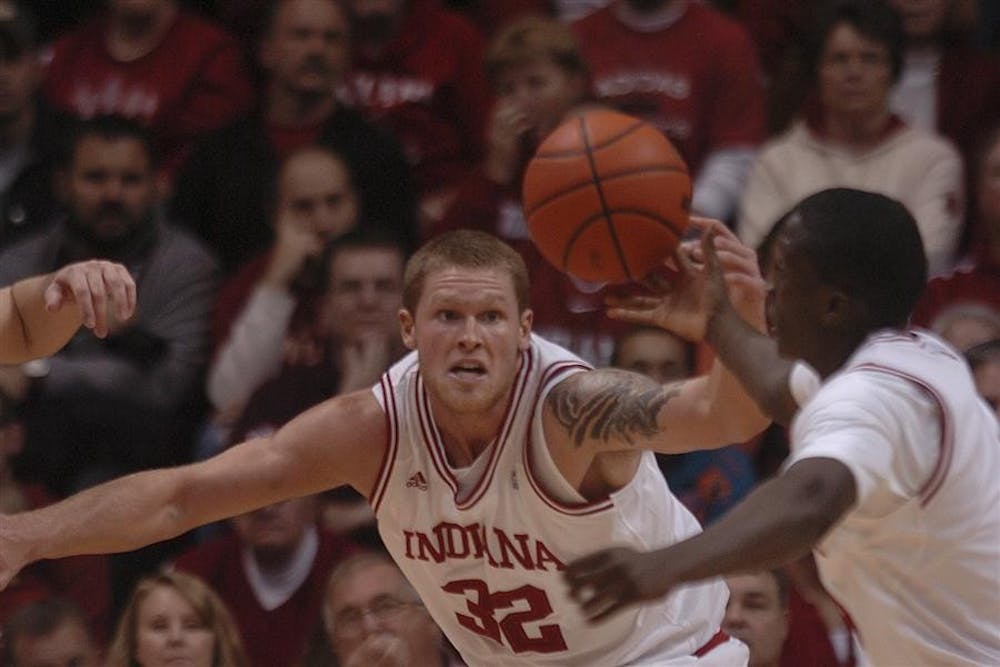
column 265, row 167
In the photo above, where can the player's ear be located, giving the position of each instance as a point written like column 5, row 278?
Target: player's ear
column 839, row 308
column 527, row 317
column 406, row 328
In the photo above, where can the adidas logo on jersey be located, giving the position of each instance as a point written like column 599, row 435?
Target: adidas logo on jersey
column 417, row 481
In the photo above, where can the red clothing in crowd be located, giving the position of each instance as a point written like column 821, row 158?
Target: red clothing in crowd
column 697, row 79
column 192, row 83
column 428, row 89
column 808, row 641
column 83, row 579
column 974, row 281
column 275, row 638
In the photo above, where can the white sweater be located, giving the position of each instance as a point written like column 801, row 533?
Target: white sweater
column 921, row 170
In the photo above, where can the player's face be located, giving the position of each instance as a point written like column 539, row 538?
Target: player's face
column 373, row 610
column 855, row 74
column 170, row 632
column 66, row 646
column 469, row 333
column 278, row 527
column 365, row 293
column 307, row 50
column 109, row 187
column 657, row 354
column 316, row 193
column 793, row 304
column 755, row 616
column 543, row 91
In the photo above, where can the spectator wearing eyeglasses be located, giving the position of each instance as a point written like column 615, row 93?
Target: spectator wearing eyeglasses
column 373, row 617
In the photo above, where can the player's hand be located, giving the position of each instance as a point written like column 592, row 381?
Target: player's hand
column 94, row 286
column 608, row 581
column 380, row 649
column 704, row 275
column 733, row 264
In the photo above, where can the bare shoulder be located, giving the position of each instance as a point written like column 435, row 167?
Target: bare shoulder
column 607, row 408
column 340, row 441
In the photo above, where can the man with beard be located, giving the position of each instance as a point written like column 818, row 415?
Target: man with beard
column 157, row 63
column 223, row 191
column 104, row 406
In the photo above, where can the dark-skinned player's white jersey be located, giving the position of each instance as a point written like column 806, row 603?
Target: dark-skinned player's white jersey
column 485, row 546
column 916, row 560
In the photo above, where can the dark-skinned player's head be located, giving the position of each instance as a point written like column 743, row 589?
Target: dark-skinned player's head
column 844, row 263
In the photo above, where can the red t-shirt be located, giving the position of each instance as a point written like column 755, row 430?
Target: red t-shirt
column 190, row 84
column 698, row 79
column 428, row 89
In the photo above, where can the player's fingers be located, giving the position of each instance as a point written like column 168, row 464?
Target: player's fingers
column 97, row 298
column 705, row 225
column 121, row 289
column 55, row 296
column 582, row 570
column 632, row 302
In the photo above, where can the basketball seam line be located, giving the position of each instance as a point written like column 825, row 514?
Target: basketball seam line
column 609, row 177
column 612, row 232
column 607, row 142
column 586, row 222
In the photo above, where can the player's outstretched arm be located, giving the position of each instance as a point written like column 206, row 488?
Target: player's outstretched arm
column 338, row 442
column 39, row 315
column 777, row 523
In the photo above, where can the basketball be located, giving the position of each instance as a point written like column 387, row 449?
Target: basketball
column 606, row 197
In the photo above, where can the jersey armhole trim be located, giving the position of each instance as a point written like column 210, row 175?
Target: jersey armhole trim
column 391, row 445
column 946, row 447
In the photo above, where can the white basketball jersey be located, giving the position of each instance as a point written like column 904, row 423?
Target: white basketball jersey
column 485, row 546
column 921, row 578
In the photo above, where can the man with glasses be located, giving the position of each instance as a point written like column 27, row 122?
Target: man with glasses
column 373, row 616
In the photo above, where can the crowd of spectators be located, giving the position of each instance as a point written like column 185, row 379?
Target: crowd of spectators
column 265, row 167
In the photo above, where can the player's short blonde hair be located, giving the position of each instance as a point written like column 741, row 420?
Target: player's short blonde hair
column 467, row 249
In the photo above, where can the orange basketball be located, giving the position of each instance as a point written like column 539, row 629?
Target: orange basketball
column 606, row 197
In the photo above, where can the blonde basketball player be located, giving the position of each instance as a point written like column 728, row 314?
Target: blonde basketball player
column 491, row 458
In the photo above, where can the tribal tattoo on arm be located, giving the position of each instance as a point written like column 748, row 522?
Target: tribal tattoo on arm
column 610, row 404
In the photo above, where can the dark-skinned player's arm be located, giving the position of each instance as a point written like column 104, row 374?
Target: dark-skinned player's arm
column 39, row 315
column 341, row 441
column 750, row 354
column 778, row 522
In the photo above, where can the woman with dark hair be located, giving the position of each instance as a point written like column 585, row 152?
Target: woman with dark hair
column 847, row 135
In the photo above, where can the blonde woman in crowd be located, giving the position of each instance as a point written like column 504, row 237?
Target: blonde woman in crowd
column 171, row 616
